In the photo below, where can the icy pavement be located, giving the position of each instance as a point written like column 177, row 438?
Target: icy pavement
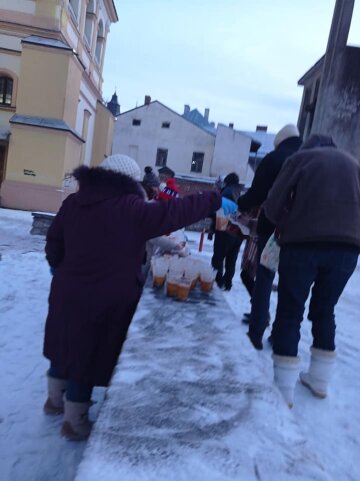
column 190, row 400
column 32, row 450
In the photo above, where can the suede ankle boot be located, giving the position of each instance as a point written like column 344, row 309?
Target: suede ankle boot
column 55, row 402
column 76, row 426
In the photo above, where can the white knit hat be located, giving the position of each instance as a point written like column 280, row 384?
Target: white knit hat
column 123, row 164
column 289, row 130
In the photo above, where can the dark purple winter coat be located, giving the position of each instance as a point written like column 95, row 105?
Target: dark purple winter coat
column 96, row 243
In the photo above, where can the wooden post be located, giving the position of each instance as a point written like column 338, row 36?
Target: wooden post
column 201, row 243
column 337, row 41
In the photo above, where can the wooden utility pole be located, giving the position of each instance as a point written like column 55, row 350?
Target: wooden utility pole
column 338, row 37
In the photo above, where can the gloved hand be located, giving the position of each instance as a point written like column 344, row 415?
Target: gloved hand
column 228, row 206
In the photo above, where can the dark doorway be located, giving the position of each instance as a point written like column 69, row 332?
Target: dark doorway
column 3, row 151
column 161, row 157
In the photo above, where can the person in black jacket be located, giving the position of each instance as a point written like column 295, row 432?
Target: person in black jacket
column 226, row 246
column 286, row 142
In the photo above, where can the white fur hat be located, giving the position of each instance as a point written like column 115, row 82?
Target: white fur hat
column 289, row 130
column 123, row 164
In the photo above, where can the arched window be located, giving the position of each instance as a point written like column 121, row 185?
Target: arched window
column 74, row 7
column 99, row 42
column 6, row 90
column 89, row 22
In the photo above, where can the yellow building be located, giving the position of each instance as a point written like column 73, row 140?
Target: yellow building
column 52, row 117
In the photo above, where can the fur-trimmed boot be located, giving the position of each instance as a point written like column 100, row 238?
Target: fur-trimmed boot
column 320, row 370
column 76, row 426
column 55, row 401
column 286, row 371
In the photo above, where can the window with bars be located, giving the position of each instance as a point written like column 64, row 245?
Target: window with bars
column 6, row 90
column 197, row 161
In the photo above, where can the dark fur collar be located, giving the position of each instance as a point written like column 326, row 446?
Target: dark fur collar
column 96, row 184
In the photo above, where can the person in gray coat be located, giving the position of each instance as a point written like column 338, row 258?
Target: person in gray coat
column 320, row 244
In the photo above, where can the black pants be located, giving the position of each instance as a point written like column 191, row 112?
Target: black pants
column 248, row 281
column 226, row 248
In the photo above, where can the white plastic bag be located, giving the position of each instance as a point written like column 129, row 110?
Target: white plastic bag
column 270, row 254
column 221, row 220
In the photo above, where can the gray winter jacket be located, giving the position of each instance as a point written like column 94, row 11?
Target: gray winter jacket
column 326, row 204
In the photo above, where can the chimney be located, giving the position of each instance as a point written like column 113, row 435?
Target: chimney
column 186, row 109
column 147, row 100
column 231, row 126
column 261, row 128
column 206, row 114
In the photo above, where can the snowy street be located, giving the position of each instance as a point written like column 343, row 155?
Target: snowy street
column 326, row 431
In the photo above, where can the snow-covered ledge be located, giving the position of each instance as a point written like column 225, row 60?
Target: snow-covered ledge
column 191, row 400
column 41, row 223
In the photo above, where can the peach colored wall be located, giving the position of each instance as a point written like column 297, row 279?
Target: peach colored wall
column 72, row 92
column 5, row 116
column 33, row 197
column 47, row 8
column 28, row 19
column 104, row 126
column 38, row 181
column 52, row 86
column 38, row 152
column 23, row 6
column 60, row 86
column 73, row 153
column 10, row 62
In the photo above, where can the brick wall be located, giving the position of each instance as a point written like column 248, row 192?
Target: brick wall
column 192, row 187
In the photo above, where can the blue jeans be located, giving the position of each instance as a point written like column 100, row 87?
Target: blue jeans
column 326, row 267
column 260, row 299
column 75, row 391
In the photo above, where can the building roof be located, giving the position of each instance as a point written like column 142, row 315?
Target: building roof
column 314, row 69
column 114, row 12
column 45, row 123
column 265, row 139
column 172, row 111
column 46, row 42
column 114, row 105
column 195, row 117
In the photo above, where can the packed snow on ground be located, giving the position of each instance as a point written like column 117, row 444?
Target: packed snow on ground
column 30, row 446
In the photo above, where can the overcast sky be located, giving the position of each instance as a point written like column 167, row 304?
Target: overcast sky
column 240, row 58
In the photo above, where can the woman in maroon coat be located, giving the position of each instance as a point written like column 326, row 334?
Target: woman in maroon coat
column 95, row 246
